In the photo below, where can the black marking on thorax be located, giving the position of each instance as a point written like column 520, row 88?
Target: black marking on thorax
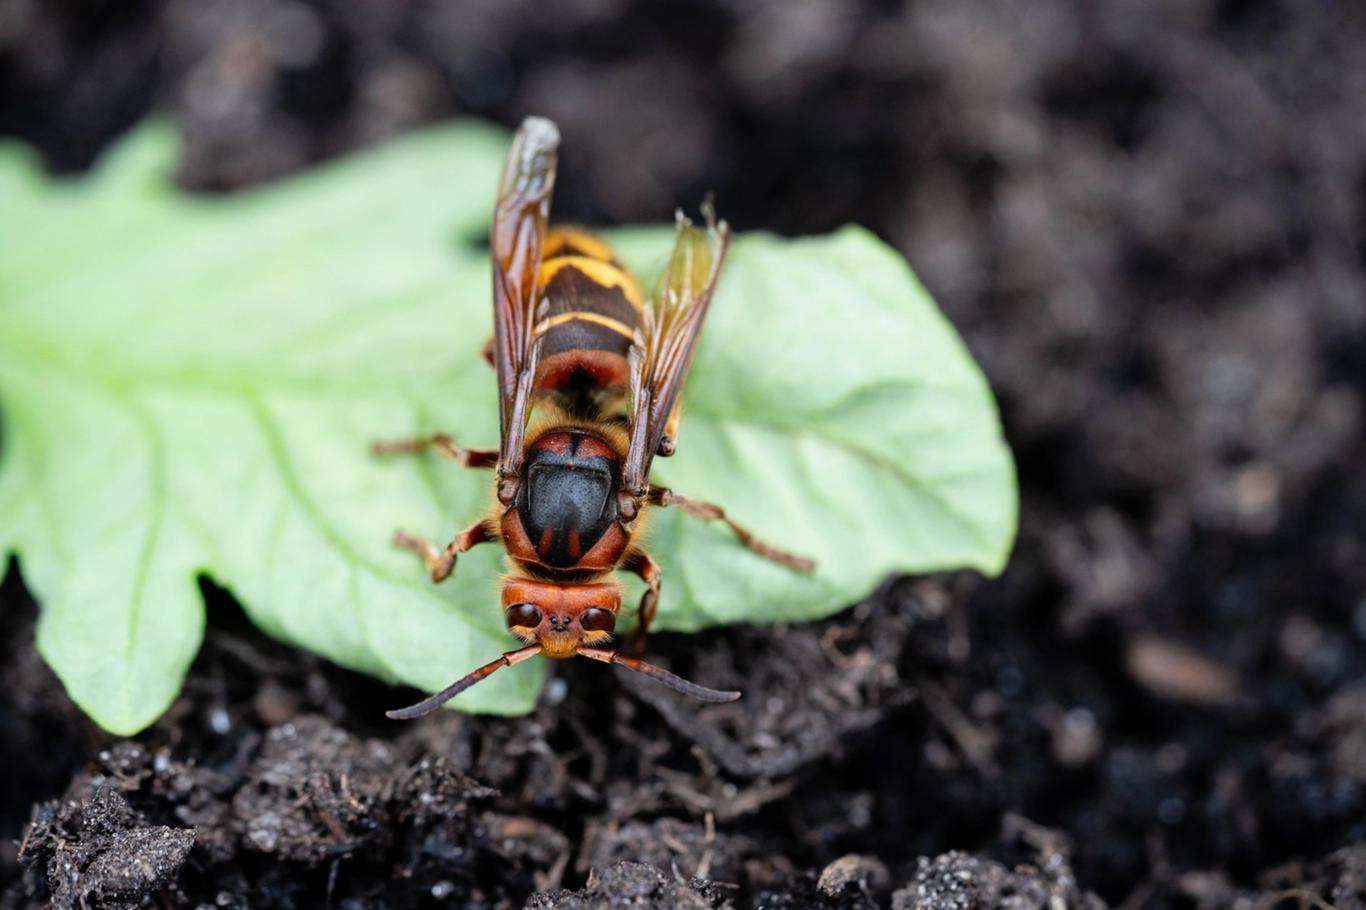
column 567, row 501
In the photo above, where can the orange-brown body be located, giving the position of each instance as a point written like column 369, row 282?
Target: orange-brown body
column 590, row 375
column 562, row 532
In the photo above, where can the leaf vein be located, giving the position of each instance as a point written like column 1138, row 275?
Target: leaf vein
column 157, row 513
column 279, row 451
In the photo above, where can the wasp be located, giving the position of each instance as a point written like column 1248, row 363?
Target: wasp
column 590, row 372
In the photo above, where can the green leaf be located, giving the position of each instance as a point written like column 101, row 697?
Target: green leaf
column 833, row 409
column 189, row 385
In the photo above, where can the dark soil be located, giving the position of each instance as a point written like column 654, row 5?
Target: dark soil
column 1149, row 222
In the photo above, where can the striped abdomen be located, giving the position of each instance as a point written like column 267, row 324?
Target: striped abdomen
column 590, row 311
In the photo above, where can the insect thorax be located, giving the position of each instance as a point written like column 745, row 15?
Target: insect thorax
column 567, row 501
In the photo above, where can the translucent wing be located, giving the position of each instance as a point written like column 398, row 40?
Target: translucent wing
column 670, row 328
column 519, row 224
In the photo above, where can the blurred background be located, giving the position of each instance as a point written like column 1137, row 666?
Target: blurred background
column 1148, row 220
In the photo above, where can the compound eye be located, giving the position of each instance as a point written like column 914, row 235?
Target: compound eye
column 522, row 615
column 596, row 619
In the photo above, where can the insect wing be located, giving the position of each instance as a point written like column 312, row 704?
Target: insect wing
column 519, row 226
column 671, row 325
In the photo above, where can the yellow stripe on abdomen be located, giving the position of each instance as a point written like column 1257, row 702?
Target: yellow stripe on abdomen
column 572, row 241
column 597, row 271
column 615, row 325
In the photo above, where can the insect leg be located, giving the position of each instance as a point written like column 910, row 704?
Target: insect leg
column 442, row 562
column 640, row 563
column 707, row 511
column 443, row 444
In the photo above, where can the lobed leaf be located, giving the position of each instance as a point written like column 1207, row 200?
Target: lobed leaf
column 188, row 386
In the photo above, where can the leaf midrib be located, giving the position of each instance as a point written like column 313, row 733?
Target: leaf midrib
column 157, row 489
